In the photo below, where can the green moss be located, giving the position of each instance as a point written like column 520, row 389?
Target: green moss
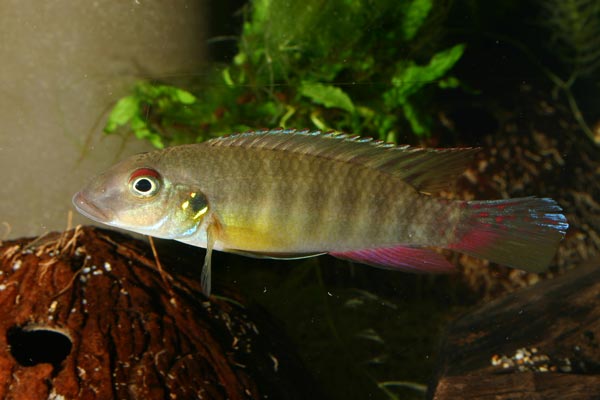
column 365, row 67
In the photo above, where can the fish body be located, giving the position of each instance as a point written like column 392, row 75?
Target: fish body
column 289, row 194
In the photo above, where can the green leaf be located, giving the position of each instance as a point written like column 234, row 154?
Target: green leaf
column 419, row 125
column 314, row 118
column 416, row 13
column 123, row 112
column 444, row 60
column 326, row 95
column 227, row 77
column 411, row 77
column 268, row 108
column 156, row 141
column 183, row 96
column 449, row 82
column 240, row 59
column 142, row 133
column 137, row 122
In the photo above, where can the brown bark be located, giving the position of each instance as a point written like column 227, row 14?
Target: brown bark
column 538, row 343
column 86, row 315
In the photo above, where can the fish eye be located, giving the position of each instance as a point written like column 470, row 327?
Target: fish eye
column 144, row 182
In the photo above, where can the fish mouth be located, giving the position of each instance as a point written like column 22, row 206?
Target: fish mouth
column 89, row 209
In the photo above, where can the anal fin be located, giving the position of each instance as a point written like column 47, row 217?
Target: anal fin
column 412, row 259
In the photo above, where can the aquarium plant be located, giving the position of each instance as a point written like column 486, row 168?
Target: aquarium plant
column 574, row 27
column 366, row 67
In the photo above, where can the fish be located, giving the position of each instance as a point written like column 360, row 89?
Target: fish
column 290, row 194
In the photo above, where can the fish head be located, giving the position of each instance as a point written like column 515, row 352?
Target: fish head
column 140, row 196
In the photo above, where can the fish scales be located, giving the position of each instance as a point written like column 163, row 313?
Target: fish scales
column 299, row 194
column 324, row 203
column 287, row 193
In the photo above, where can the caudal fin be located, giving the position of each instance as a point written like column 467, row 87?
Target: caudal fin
column 522, row 233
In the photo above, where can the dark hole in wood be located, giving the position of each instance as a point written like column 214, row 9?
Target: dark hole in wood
column 33, row 346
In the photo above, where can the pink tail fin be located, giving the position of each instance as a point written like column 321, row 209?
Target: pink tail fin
column 521, row 233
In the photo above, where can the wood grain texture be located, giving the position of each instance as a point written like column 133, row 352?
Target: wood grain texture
column 541, row 342
column 132, row 335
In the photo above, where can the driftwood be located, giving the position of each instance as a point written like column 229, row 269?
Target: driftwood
column 542, row 342
column 86, row 315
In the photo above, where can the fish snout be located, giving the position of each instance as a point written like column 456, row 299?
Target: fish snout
column 87, row 207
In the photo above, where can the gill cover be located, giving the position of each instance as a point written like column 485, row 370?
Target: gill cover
column 191, row 206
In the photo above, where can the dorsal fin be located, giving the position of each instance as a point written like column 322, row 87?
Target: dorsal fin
column 428, row 170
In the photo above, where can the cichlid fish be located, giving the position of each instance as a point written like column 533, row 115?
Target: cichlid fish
column 292, row 194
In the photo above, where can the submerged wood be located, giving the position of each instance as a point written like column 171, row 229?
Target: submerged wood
column 86, row 315
column 542, row 342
